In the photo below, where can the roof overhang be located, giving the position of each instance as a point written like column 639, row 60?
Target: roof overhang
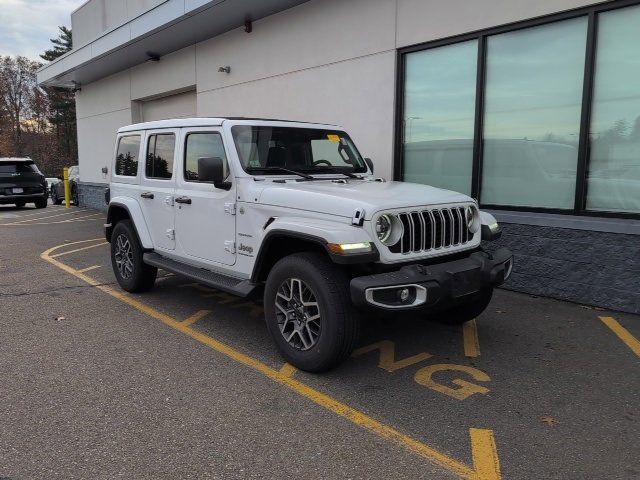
column 170, row 26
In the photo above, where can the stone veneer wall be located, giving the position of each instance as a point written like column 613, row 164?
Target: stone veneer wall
column 587, row 267
column 91, row 195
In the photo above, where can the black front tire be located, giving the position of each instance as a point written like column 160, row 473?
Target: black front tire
column 41, row 203
column 468, row 310
column 132, row 274
column 339, row 322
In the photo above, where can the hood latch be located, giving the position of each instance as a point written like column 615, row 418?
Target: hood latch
column 358, row 217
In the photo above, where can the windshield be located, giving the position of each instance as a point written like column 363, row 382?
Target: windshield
column 267, row 149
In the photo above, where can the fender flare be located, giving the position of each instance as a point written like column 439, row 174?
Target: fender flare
column 137, row 218
column 319, row 232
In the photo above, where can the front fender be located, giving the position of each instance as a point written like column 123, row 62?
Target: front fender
column 328, row 231
column 490, row 228
column 136, row 216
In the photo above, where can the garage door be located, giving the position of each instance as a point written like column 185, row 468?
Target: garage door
column 173, row 106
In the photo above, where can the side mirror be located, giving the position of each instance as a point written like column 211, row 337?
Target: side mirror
column 369, row 163
column 211, row 169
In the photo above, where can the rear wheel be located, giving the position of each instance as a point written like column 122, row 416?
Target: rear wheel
column 309, row 313
column 467, row 311
column 42, row 203
column 54, row 197
column 131, row 272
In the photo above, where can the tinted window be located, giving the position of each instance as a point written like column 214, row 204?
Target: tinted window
column 199, row 145
column 18, row 167
column 160, row 152
column 614, row 163
column 127, row 156
column 440, row 99
column 533, row 103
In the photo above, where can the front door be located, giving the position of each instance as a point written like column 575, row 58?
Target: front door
column 205, row 215
column 157, row 187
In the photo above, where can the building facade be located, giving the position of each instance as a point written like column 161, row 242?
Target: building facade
column 533, row 108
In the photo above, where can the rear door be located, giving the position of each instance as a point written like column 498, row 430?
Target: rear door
column 205, row 215
column 157, row 186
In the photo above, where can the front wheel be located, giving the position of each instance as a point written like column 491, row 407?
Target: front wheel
column 467, row 311
column 41, row 203
column 309, row 313
column 131, row 272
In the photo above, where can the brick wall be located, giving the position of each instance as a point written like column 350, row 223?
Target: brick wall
column 587, row 267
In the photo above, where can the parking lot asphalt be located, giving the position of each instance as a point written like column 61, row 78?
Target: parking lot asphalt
column 184, row 382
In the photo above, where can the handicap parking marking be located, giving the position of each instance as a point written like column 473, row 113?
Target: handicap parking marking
column 470, row 339
column 486, row 464
column 88, row 269
column 623, row 334
column 81, row 249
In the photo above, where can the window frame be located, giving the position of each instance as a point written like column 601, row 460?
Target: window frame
column 184, row 154
column 128, row 178
column 580, row 197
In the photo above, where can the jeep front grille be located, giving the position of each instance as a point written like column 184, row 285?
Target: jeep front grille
column 432, row 229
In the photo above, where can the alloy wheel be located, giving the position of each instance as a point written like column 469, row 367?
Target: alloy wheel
column 124, row 256
column 298, row 314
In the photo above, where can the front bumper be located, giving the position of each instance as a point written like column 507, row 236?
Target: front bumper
column 432, row 287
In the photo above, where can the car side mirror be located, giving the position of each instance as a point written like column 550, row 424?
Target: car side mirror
column 211, row 169
column 369, row 163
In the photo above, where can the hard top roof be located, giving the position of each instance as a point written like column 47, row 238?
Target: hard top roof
column 15, row 159
column 207, row 122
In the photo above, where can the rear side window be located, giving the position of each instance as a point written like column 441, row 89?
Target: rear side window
column 18, row 167
column 198, row 145
column 127, row 156
column 160, row 152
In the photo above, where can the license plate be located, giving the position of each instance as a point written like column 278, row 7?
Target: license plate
column 18, row 190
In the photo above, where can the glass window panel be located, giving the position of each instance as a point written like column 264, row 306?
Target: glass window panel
column 127, row 156
column 439, row 106
column 532, row 114
column 201, row 145
column 614, row 165
column 160, row 154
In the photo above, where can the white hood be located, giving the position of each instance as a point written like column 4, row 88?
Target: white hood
column 343, row 198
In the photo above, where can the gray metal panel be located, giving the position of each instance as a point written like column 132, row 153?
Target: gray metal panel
column 121, row 48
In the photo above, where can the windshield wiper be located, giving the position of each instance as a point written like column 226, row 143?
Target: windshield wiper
column 279, row 169
column 340, row 171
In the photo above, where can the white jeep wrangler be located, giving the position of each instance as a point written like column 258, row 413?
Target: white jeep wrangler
column 292, row 210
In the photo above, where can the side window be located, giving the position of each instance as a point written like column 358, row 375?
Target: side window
column 127, row 156
column 202, row 144
column 160, row 152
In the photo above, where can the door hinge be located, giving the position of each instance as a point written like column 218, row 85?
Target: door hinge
column 230, row 208
column 171, row 234
column 230, row 246
column 168, row 201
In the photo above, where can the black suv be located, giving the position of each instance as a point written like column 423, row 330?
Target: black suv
column 21, row 182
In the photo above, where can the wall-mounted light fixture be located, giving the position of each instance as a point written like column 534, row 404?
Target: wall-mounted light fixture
column 248, row 25
column 152, row 57
column 226, row 69
column 76, row 86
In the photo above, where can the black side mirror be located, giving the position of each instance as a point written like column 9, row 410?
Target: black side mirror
column 369, row 163
column 211, row 169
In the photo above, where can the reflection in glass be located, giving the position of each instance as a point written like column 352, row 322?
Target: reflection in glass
column 532, row 115
column 127, row 156
column 440, row 96
column 200, row 145
column 160, row 154
column 614, row 164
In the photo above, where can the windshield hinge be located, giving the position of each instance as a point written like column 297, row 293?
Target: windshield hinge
column 230, row 246
column 358, row 217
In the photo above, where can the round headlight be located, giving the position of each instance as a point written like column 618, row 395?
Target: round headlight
column 471, row 218
column 383, row 228
column 388, row 229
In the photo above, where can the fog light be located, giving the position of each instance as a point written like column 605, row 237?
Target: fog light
column 403, row 294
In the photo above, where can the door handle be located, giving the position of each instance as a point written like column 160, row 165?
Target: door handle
column 147, row 195
column 186, row 200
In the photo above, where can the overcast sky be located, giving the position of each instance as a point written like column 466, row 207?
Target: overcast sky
column 27, row 25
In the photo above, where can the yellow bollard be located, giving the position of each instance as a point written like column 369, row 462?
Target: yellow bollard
column 67, row 188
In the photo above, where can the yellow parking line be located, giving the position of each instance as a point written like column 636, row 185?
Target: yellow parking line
column 288, row 370
column 470, row 337
column 623, row 334
column 78, row 249
column 88, row 269
column 482, row 443
column 199, row 315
